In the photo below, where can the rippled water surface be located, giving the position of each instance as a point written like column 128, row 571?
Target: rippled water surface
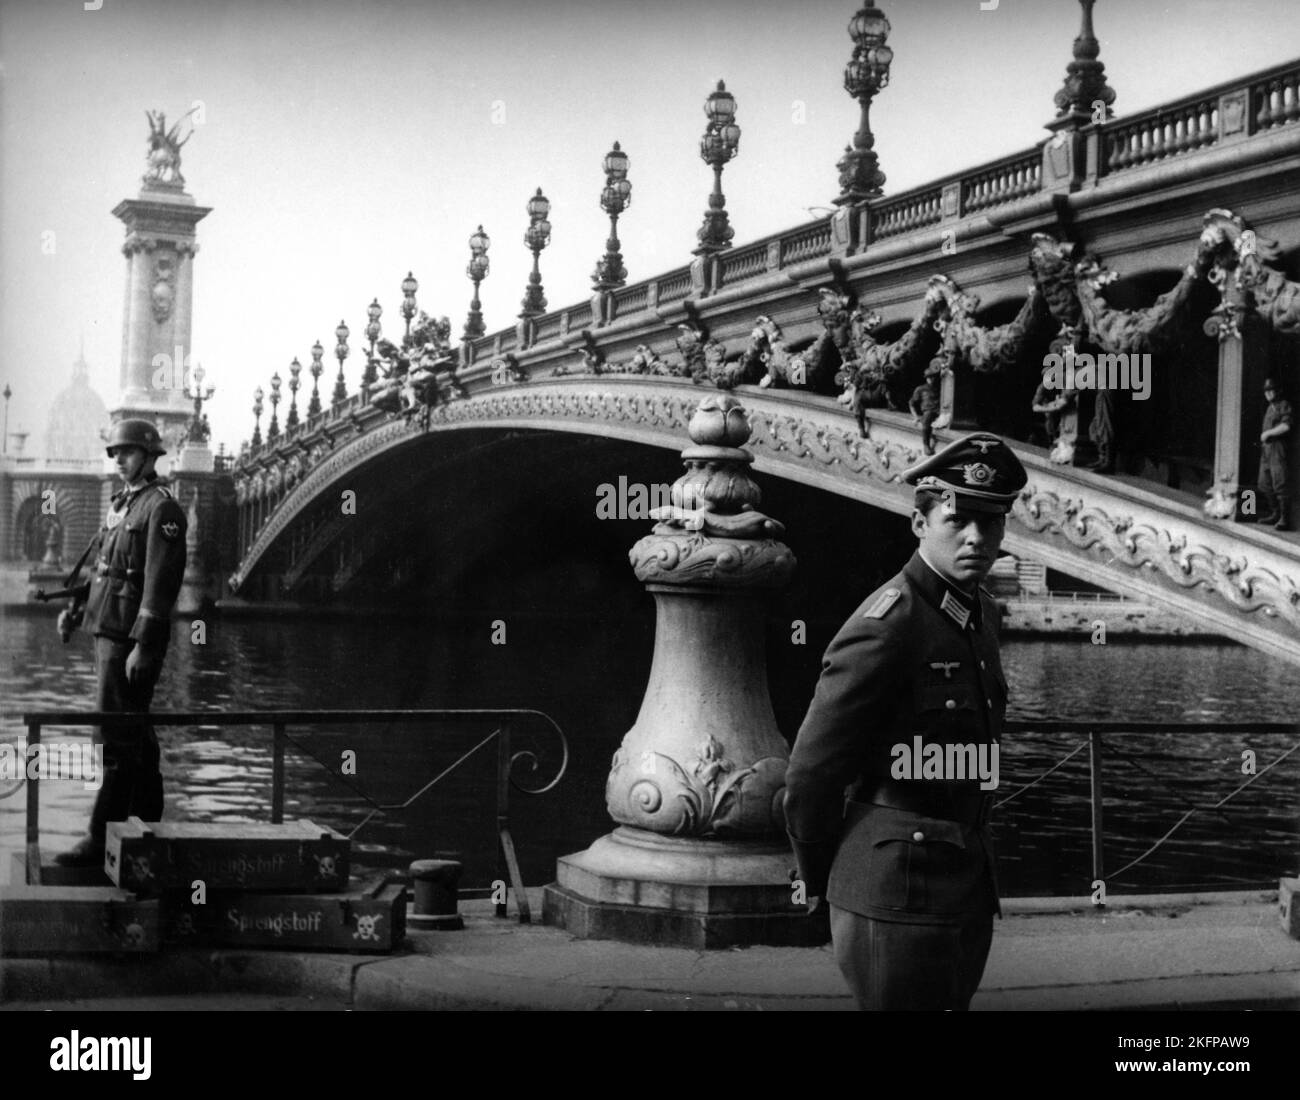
column 589, row 674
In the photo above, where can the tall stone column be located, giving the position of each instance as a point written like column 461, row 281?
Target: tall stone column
column 159, row 248
column 1243, row 366
column 699, row 856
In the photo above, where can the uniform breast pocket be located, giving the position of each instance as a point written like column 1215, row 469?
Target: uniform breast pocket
column 920, row 865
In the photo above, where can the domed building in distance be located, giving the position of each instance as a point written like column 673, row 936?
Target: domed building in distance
column 52, row 494
column 77, row 418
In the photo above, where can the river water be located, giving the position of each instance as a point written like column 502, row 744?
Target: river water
column 589, row 673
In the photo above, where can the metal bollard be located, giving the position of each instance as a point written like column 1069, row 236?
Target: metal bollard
column 435, row 882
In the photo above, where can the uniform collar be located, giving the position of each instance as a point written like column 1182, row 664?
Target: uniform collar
column 125, row 495
column 962, row 608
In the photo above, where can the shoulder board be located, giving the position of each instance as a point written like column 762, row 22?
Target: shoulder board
column 166, row 492
column 881, row 604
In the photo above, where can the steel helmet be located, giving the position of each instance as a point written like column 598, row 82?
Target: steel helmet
column 135, row 433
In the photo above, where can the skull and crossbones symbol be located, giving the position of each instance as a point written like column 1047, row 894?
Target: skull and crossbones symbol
column 366, row 929
column 140, row 869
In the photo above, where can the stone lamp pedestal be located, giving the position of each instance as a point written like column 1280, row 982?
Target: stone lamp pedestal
column 699, row 857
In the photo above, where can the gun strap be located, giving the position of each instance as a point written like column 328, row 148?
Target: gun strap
column 81, row 561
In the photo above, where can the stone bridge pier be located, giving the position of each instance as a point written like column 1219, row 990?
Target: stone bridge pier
column 699, row 857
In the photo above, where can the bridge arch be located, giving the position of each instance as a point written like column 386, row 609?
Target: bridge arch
column 1116, row 532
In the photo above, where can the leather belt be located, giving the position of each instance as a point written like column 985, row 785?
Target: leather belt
column 106, row 570
column 968, row 806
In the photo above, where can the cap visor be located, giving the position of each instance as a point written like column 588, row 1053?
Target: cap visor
column 980, row 504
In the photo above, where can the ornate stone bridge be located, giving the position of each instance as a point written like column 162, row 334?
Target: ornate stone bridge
column 1154, row 235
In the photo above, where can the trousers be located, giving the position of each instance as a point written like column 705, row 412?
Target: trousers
column 132, row 760
column 892, row 966
column 1272, row 480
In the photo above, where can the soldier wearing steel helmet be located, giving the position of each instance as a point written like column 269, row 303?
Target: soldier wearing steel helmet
column 905, row 861
column 138, row 564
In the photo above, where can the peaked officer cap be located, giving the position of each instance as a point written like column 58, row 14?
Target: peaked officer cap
column 981, row 471
column 135, row 433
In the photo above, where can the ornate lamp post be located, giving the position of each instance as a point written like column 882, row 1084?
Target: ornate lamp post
column 313, row 406
column 273, row 432
column 865, row 74
column 373, row 331
column 341, row 334
column 409, row 287
column 291, row 421
column 477, row 272
column 257, row 414
column 721, row 142
column 537, row 236
column 614, row 199
column 197, row 431
column 1085, row 77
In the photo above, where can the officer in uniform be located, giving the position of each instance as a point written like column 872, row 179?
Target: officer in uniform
column 1273, row 438
column 900, row 852
column 139, row 558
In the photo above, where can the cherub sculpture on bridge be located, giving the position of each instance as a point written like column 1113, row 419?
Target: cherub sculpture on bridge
column 1233, row 251
column 702, row 359
column 419, row 373
column 872, row 371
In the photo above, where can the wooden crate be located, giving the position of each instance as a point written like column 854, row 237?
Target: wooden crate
column 1288, row 906
column 371, row 920
column 69, row 920
column 54, row 875
column 298, row 855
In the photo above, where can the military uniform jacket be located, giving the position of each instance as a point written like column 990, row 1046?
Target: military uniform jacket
column 918, row 657
column 139, row 566
column 1278, row 412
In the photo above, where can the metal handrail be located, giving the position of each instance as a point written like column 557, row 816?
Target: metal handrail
column 280, row 720
column 1094, row 744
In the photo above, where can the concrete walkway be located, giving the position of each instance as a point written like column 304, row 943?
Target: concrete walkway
column 1166, row 953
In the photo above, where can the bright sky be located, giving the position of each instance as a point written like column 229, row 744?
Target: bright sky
column 345, row 143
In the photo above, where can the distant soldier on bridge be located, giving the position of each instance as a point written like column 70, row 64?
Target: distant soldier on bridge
column 924, row 404
column 1273, row 438
column 139, row 564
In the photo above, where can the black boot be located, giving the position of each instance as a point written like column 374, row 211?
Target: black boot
column 1269, row 515
column 88, row 852
column 1283, row 519
column 1105, row 463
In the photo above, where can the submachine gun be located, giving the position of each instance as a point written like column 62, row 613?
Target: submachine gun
column 70, row 618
